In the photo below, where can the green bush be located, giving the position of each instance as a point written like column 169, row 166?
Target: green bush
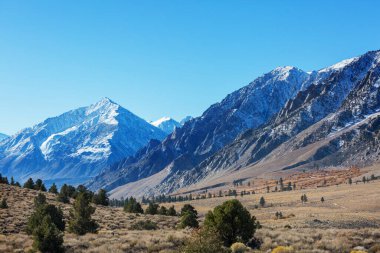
column 80, row 216
column 144, row 225
column 132, row 206
column 232, row 222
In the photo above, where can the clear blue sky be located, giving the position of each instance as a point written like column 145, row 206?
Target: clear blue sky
column 160, row 58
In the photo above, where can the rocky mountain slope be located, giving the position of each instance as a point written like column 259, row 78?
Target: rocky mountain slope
column 3, row 136
column 199, row 138
column 76, row 145
column 166, row 124
column 331, row 99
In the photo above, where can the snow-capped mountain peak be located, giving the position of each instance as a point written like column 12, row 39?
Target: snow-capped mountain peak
column 76, row 144
column 166, row 124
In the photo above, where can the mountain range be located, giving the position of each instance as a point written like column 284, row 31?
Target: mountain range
column 287, row 119
column 284, row 121
column 76, row 145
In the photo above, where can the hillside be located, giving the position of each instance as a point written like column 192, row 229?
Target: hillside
column 340, row 224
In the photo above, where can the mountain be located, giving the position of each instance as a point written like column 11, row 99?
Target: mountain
column 3, row 136
column 335, row 122
column 199, row 138
column 166, row 124
column 185, row 119
column 76, row 145
column 280, row 141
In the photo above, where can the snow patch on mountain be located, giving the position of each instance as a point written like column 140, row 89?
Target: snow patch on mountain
column 3, row 136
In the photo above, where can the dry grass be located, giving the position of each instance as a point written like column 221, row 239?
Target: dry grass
column 348, row 218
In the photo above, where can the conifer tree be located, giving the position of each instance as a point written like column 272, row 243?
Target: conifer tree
column 101, row 198
column 171, row 211
column 132, row 206
column 53, row 189
column 64, row 195
column 29, row 184
column 80, row 221
column 262, row 201
column 163, row 210
column 152, row 209
column 3, row 203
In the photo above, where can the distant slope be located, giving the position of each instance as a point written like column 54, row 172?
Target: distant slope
column 199, row 138
column 76, row 145
column 166, row 124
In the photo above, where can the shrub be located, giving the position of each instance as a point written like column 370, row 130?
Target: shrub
column 238, row 247
column 204, row 241
column 47, row 237
column 132, row 206
column 188, row 219
column 3, row 204
column 232, row 221
column 283, row 249
column 80, row 216
column 374, row 249
column 145, row 225
column 152, row 209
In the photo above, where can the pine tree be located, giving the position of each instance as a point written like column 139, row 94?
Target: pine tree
column 171, row 211
column 262, row 201
column 80, row 221
column 350, row 180
column 12, row 181
column 39, row 185
column 3, row 204
column 364, row 180
column 101, row 198
column 29, row 184
column 322, row 199
column 64, row 194
column 163, row 210
column 42, row 209
column 132, row 206
column 47, row 237
column 281, row 184
column 53, row 189
column 152, row 209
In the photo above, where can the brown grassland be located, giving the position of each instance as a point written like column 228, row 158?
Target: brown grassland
column 348, row 218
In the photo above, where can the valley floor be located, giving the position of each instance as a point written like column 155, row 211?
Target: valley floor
column 349, row 217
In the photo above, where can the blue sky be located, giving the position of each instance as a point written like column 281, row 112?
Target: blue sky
column 159, row 58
